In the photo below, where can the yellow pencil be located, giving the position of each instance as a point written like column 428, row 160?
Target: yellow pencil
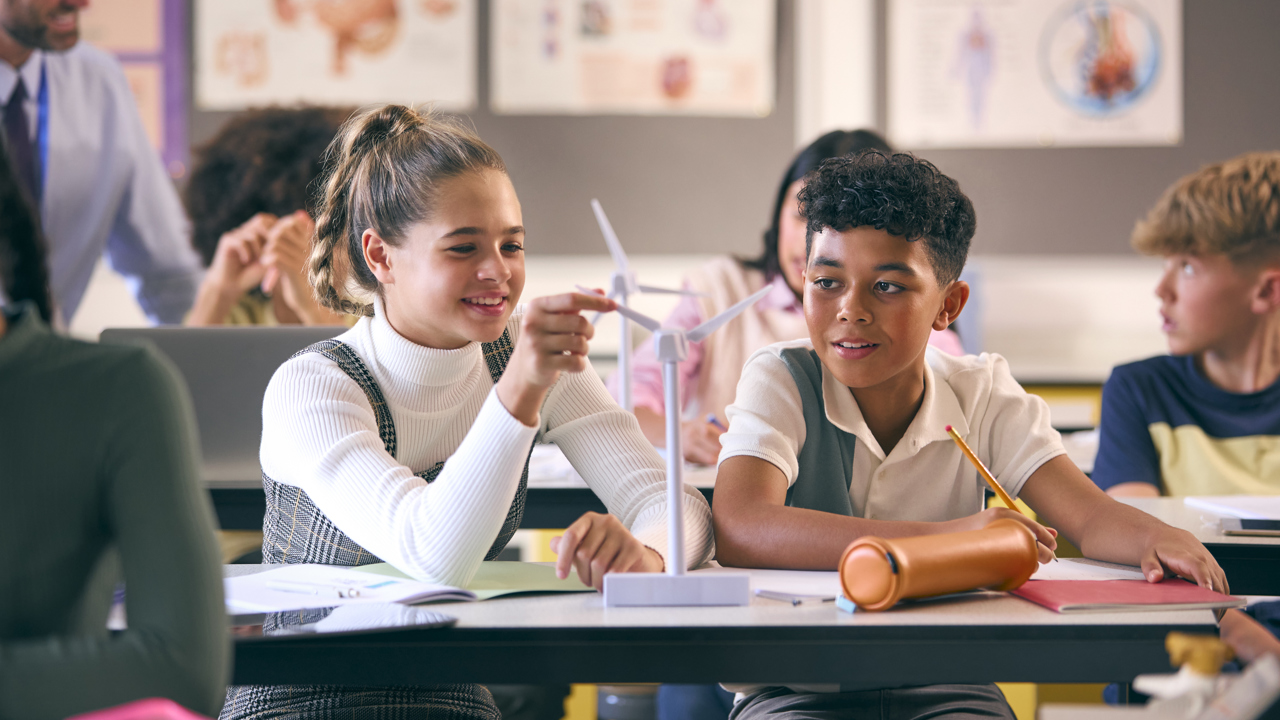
column 985, row 473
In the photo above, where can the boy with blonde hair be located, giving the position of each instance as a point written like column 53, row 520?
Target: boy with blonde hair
column 1205, row 420
column 843, row 434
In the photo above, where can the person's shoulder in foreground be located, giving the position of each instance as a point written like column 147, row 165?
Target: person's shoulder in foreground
column 888, row 237
column 131, row 467
column 1205, row 420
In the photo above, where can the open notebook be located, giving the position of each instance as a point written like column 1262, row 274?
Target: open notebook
column 297, row 587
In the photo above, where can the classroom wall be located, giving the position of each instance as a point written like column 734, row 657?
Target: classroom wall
column 706, row 185
column 1077, row 201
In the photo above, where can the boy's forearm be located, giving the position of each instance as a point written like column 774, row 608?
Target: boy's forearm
column 1118, row 533
column 797, row 538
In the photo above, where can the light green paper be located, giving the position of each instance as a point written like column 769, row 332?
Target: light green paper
column 498, row 578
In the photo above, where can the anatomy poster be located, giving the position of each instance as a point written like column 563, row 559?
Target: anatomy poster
column 1025, row 73
column 643, row 57
column 335, row 52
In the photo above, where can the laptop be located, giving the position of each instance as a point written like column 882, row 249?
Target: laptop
column 227, row 370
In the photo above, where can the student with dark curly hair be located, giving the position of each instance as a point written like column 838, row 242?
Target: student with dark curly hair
column 709, row 376
column 249, row 202
column 843, row 434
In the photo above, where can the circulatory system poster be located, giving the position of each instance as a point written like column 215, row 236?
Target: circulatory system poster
column 335, row 52
column 1025, row 73
column 644, row 57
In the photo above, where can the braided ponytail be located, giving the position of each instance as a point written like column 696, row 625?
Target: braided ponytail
column 381, row 172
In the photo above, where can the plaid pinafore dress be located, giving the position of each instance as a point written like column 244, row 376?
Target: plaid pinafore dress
column 295, row 531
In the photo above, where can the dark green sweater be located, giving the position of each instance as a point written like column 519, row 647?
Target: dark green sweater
column 98, row 481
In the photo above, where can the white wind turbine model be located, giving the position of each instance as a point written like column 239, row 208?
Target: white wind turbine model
column 675, row 586
column 622, row 284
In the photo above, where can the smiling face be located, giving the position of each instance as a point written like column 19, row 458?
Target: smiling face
column 457, row 276
column 791, row 232
column 1205, row 303
column 44, row 24
column 871, row 300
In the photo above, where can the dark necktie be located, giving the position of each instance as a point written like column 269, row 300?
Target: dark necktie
column 21, row 149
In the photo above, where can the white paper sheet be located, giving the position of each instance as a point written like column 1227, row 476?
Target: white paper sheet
column 254, row 594
column 1246, row 507
column 253, row 52
column 647, row 57
column 1085, row 569
column 798, row 583
column 1029, row 73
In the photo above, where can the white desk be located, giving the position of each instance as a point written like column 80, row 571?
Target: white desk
column 574, row 638
column 1252, row 564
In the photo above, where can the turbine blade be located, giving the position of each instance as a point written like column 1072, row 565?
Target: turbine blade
column 666, row 291
column 640, row 319
column 702, row 331
column 610, row 237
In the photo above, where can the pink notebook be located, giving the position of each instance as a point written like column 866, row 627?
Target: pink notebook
column 1076, row 596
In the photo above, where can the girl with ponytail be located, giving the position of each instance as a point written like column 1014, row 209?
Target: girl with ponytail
column 407, row 438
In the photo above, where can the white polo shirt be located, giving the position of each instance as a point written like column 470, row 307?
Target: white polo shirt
column 925, row 477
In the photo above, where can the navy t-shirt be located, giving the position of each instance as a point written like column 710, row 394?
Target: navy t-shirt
column 1164, row 423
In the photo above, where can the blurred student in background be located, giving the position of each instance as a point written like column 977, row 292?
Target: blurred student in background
column 251, row 218
column 709, row 377
column 1205, row 419
column 100, row 484
column 83, row 159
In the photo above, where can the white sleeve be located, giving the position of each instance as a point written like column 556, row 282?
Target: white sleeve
column 319, row 433
column 1015, row 429
column 766, row 419
column 606, row 447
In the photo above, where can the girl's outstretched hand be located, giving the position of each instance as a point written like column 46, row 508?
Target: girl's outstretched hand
column 596, row 544
column 553, row 339
column 1178, row 552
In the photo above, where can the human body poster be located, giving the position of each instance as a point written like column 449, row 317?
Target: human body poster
column 1027, row 73
column 645, row 57
column 335, row 52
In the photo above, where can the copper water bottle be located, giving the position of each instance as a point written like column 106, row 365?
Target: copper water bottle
column 876, row 573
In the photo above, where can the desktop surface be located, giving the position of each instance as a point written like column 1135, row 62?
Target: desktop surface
column 1252, row 563
column 574, row 638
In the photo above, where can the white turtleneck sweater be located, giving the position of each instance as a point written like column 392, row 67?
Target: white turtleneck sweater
column 319, row 434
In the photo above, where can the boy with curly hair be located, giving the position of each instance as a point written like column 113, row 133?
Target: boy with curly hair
column 843, row 434
column 1205, row 420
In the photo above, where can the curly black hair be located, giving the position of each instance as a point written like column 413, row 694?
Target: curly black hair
column 260, row 161
column 832, row 144
column 899, row 193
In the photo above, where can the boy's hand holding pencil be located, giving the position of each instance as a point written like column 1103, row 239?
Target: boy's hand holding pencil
column 1046, row 537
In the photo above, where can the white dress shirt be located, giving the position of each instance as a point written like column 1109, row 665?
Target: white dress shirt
column 104, row 187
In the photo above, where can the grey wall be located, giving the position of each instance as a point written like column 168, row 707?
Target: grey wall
column 1086, row 200
column 703, row 185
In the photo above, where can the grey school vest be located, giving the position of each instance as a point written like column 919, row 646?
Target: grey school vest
column 826, row 460
column 295, row 531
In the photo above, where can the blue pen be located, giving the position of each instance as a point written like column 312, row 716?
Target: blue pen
column 711, row 419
